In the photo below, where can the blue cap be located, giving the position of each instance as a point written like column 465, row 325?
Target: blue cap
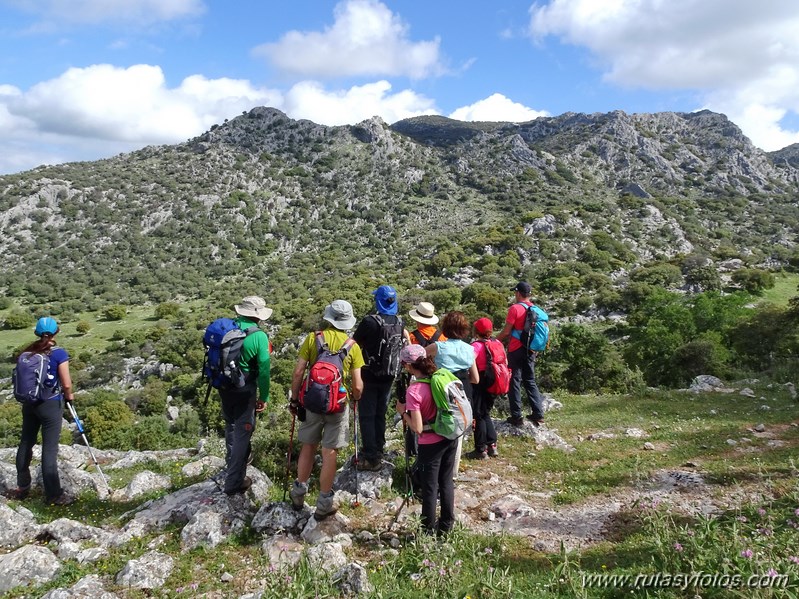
column 386, row 299
column 46, row 326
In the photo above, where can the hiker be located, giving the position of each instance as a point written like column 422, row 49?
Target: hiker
column 42, row 409
column 329, row 429
column 240, row 405
column 380, row 336
column 457, row 356
column 436, row 461
column 485, row 437
column 426, row 331
column 521, row 360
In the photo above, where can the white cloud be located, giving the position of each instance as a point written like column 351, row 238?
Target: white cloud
column 133, row 104
column 309, row 100
column 726, row 50
column 497, row 107
column 116, row 11
column 102, row 110
column 366, row 39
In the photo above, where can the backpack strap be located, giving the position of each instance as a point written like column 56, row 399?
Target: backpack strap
column 518, row 332
column 424, row 341
column 427, row 424
column 321, row 344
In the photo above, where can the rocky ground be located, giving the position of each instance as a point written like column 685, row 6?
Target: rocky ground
column 492, row 496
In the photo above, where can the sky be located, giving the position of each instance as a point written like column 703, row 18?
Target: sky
column 89, row 79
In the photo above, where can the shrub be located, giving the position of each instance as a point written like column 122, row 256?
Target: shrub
column 83, row 327
column 115, row 312
column 108, row 422
column 18, row 320
column 167, row 310
column 754, row 280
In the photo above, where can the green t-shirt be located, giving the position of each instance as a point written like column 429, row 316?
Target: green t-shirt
column 255, row 352
column 335, row 339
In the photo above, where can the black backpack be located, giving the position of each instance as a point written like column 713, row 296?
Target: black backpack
column 422, row 340
column 385, row 362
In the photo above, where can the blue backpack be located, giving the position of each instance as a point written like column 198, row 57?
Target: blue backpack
column 535, row 333
column 32, row 380
column 223, row 340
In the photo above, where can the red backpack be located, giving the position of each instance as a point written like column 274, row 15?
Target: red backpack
column 323, row 390
column 497, row 374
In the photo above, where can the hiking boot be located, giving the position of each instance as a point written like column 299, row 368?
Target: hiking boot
column 62, row 499
column 536, row 421
column 325, row 506
column 245, row 485
column 492, row 451
column 477, row 455
column 370, row 465
column 515, row 421
column 18, row 493
column 297, row 494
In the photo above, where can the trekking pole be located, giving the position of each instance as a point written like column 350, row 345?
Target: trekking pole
column 408, row 489
column 291, row 446
column 82, row 432
column 355, row 503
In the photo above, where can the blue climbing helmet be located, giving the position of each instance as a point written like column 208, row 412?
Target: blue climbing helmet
column 46, row 326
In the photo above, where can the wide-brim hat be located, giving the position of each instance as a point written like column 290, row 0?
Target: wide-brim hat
column 254, row 307
column 424, row 312
column 339, row 314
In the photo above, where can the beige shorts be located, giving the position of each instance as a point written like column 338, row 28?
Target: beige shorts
column 332, row 430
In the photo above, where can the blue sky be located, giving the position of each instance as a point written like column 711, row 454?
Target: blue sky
column 87, row 79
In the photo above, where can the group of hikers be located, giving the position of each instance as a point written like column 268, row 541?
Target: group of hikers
column 335, row 372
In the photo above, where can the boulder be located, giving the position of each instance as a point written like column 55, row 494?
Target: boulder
column 150, row 571
column 28, row 565
column 89, row 587
column 142, row 483
column 282, row 551
column 209, row 528
column 16, row 527
column 279, row 517
column 353, row 580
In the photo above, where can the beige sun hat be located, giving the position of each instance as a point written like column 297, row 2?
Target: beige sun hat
column 339, row 314
column 424, row 312
column 253, row 306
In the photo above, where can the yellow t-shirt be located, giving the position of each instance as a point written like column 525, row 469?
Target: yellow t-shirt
column 335, row 340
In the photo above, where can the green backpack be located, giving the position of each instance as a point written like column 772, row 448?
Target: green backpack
column 453, row 409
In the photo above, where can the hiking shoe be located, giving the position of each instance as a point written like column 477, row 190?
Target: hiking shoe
column 245, row 485
column 325, row 507
column 370, row 465
column 297, row 494
column 492, row 450
column 515, row 421
column 62, row 499
column 18, row 493
column 477, row 455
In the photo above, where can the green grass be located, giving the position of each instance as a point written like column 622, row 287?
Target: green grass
column 785, row 287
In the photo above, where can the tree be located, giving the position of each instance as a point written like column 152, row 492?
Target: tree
column 115, row 312
column 754, row 280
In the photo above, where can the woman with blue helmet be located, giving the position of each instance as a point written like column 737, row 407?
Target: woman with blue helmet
column 43, row 411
